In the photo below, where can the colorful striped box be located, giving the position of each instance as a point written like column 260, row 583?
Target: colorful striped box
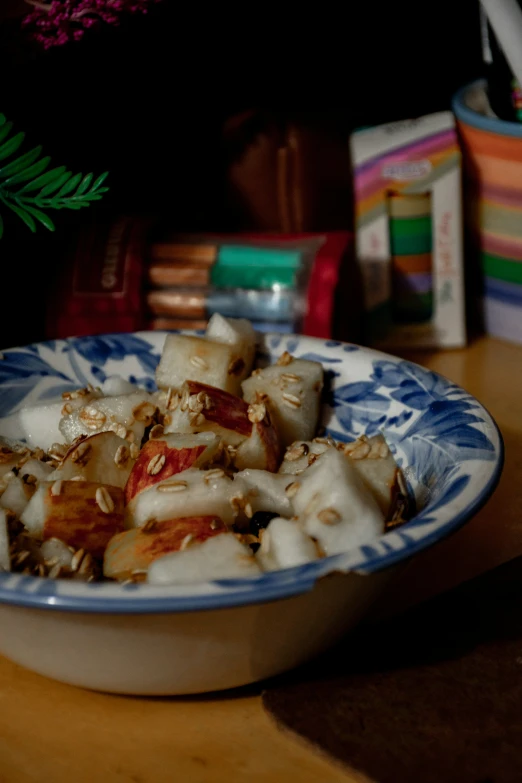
column 493, row 158
column 408, row 221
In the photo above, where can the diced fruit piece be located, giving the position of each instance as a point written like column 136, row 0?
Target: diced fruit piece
column 159, row 459
column 370, row 457
column 9, row 459
column 17, row 495
column 82, row 514
column 127, row 415
column 261, row 450
column 192, row 493
column 374, row 462
column 220, row 557
column 56, row 552
column 266, row 491
column 5, row 558
column 203, row 408
column 240, row 335
column 302, row 453
column 294, row 391
column 38, row 425
column 134, row 550
column 35, row 467
column 185, row 357
column 284, row 544
column 116, row 386
column 103, row 458
column 334, row 505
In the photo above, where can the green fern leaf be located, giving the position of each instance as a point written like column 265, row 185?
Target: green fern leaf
column 99, row 181
column 51, row 176
column 19, row 164
column 44, row 219
column 10, row 146
column 2, row 119
column 1, row 227
column 69, row 186
column 29, row 173
column 56, row 185
column 24, row 215
column 83, row 186
column 5, row 130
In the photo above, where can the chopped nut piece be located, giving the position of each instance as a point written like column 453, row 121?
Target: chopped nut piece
column 56, row 488
column 121, row 457
column 186, row 542
column 92, row 417
column 67, row 409
column 291, row 400
column 256, row 412
column 215, row 473
column 104, row 500
column 329, row 516
column 77, row 559
column 285, row 359
column 172, row 486
column 134, row 451
column 199, row 362
column 156, row 464
column 293, row 488
column 119, row 429
column 144, row 412
column 290, row 377
column 156, row 432
column 296, row 451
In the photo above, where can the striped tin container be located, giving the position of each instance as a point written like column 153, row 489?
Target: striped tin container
column 411, row 244
column 493, row 163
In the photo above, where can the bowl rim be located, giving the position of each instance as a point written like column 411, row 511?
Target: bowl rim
column 38, row 593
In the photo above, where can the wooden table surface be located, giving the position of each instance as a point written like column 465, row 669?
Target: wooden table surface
column 60, row 734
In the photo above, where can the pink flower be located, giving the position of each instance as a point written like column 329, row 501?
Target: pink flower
column 60, row 21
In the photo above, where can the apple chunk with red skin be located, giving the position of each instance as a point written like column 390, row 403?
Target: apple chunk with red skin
column 82, row 514
column 205, row 408
column 164, row 457
column 134, row 550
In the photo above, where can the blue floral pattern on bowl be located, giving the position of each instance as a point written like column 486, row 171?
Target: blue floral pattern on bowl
column 448, row 445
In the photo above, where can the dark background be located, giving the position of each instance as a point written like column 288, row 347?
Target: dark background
column 148, row 100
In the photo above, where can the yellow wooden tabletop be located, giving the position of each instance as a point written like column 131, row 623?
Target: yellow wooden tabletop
column 60, row 734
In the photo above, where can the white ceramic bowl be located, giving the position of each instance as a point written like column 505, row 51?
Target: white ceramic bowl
column 143, row 639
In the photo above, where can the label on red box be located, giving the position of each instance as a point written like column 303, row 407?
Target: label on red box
column 102, row 285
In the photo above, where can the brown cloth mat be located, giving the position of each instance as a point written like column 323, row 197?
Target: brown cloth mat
column 432, row 696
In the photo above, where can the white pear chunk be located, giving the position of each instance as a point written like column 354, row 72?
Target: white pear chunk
column 114, row 386
column 191, row 493
column 376, row 465
column 102, row 458
column 240, row 335
column 370, row 457
column 5, row 558
column 302, row 453
column 35, row 467
column 293, row 390
column 284, row 544
column 334, row 505
column 220, row 557
column 185, row 357
column 38, row 425
column 127, row 415
column 54, row 549
column 16, row 496
column 267, row 491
